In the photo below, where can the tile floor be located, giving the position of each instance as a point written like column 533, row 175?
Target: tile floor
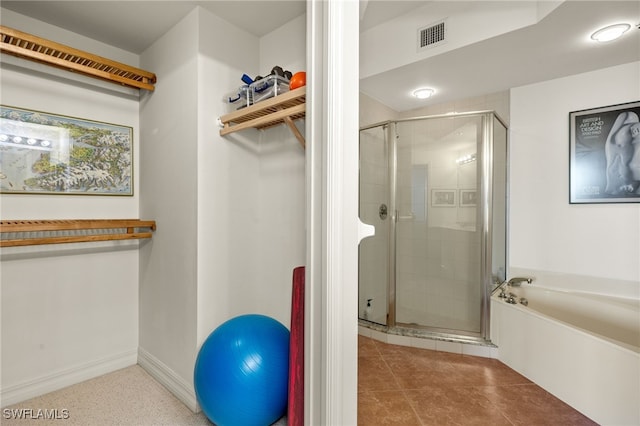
column 406, row 386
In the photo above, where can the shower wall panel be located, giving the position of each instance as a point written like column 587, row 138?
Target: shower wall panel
column 374, row 251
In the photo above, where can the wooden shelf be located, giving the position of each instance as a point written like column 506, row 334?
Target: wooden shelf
column 285, row 108
column 27, row 46
column 29, row 232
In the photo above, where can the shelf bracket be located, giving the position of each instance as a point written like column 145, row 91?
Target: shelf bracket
column 289, row 122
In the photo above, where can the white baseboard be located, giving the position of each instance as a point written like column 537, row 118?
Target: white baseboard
column 51, row 382
column 179, row 387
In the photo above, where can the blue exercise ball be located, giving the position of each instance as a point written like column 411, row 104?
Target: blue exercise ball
column 241, row 373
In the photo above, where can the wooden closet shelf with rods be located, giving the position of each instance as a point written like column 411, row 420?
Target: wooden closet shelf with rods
column 28, row 46
column 72, row 231
column 285, row 108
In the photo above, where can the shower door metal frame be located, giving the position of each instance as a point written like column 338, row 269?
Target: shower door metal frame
column 392, row 142
column 485, row 190
column 486, row 197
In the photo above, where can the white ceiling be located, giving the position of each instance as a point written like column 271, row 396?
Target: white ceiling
column 558, row 46
column 375, row 12
column 134, row 25
column 553, row 48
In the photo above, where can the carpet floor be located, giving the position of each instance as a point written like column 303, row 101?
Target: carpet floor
column 125, row 397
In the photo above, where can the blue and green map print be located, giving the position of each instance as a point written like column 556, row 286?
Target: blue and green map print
column 43, row 153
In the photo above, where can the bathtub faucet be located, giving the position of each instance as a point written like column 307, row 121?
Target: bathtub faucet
column 517, row 281
column 513, row 282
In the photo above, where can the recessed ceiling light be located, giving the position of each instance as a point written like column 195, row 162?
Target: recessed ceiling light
column 609, row 33
column 423, row 93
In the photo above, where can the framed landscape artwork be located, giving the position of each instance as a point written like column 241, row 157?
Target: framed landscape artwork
column 43, row 153
column 443, row 197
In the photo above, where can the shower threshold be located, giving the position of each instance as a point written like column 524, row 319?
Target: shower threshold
column 425, row 337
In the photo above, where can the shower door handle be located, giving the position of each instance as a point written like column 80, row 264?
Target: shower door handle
column 365, row 230
column 383, row 211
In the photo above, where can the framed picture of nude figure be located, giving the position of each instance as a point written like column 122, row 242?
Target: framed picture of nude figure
column 604, row 154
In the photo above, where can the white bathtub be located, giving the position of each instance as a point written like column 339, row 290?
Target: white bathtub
column 582, row 348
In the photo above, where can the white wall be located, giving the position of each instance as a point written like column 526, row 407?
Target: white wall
column 251, row 185
column 371, row 111
column 282, row 197
column 230, row 210
column 69, row 312
column 398, row 37
column 168, row 193
column 498, row 102
column 285, row 46
column 227, row 179
column 281, row 211
column 593, row 247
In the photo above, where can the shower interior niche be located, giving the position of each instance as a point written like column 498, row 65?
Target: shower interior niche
column 435, row 189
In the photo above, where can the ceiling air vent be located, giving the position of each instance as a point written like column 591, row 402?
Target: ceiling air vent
column 432, row 35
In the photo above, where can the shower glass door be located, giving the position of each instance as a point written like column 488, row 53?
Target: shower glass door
column 373, row 265
column 435, row 189
column 438, row 230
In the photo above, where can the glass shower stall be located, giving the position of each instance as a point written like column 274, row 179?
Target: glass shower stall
column 435, row 188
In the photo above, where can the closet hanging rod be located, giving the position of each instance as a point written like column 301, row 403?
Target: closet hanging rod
column 34, row 48
column 72, row 231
